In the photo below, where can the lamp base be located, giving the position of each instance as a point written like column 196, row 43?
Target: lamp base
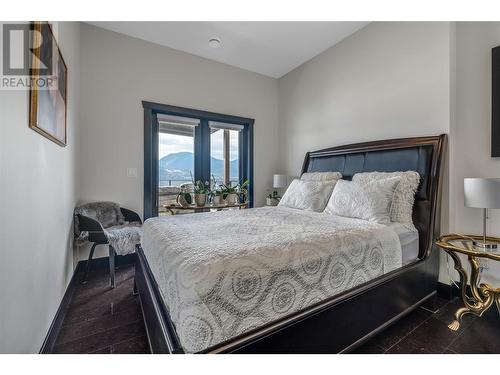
column 485, row 245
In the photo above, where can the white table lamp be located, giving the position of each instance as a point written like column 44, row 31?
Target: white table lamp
column 280, row 181
column 482, row 193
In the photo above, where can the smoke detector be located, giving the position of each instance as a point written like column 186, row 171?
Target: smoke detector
column 214, row 42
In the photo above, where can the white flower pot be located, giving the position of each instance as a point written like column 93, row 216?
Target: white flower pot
column 181, row 200
column 272, row 201
column 200, row 199
column 232, row 199
column 217, row 200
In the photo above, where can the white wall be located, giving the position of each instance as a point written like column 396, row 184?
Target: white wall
column 397, row 80
column 387, row 80
column 118, row 72
column 471, row 128
column 38, row 190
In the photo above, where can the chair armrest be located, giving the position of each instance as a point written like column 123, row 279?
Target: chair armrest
column 93, row 227
column 130, row 215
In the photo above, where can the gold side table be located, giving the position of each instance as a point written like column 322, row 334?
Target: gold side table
column 483, row 295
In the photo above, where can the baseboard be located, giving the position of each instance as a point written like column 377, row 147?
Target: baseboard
column 55, row 327
column 447, row 291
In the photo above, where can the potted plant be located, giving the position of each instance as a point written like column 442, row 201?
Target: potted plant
column 273, row 199
column 217, row 196
column 184, row 198
column 201, row 191
column 242, row 189
column 216, row 193
column 230, row 194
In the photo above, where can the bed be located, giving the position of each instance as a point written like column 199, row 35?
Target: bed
column 267, row 280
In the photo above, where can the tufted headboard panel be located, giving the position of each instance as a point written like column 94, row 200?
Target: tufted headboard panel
column 421, row 154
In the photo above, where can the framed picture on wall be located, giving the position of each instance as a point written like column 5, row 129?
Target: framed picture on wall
column 48, row 91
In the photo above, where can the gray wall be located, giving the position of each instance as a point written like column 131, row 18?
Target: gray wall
column 38, row 191
column 387, row 80
column 397, row 80
column 118, row 72
column 471, row 128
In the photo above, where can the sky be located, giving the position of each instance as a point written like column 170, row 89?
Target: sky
column 171, row 144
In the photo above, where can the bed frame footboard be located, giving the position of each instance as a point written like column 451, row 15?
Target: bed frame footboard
column 336, row 325
column 160, row 329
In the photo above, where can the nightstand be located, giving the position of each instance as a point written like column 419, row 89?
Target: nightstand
column 483, row 295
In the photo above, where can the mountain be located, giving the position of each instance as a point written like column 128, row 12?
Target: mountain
column 176, row 167
column 179, row 161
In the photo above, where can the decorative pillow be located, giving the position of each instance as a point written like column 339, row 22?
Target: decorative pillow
column 368, row 202
column 404, row 194
column 321, row 176
column 307, row 195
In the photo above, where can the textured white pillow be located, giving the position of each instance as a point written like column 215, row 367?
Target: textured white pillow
column 321, row 176
column 404, row 194
column 307, row 195
column 368, row 202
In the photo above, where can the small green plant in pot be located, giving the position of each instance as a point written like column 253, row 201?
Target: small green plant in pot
column 201, row 192
column 230, row 194
column 216, row 194
column 184, row 198
column 273, row 199
column 242, row 189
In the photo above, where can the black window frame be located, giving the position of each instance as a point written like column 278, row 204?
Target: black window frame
column 201, row 148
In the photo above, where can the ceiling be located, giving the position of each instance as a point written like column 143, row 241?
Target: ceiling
column 269, row 48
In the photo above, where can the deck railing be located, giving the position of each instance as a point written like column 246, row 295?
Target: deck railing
column 177, row 183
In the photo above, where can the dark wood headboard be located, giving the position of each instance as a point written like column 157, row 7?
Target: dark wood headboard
column 421, row 154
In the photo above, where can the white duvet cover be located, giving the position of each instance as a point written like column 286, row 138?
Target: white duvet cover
column 224, row 273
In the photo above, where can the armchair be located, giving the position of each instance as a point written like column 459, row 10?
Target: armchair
column 106, row 223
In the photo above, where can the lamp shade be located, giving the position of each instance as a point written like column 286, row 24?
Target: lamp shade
column 280, row 181
column 482, row 192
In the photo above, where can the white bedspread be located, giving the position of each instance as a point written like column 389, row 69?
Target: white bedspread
column 224, row 273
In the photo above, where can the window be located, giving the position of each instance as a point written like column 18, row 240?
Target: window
column 181, row 143
column 224, row 153
column 175, row 156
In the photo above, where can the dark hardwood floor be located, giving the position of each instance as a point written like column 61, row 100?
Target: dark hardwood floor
column 105, row 320
column 423, row 331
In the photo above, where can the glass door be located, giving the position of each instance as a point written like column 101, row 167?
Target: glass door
column 183, row 144
column 176, row 158
column 225, row 153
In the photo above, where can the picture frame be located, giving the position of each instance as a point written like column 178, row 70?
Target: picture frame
column 48, row 104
